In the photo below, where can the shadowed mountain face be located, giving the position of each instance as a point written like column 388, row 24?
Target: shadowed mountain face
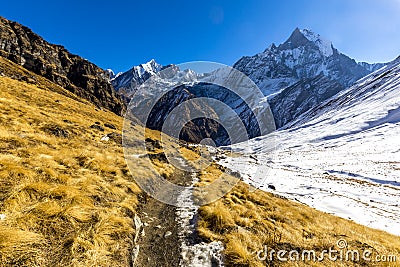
column 300, row 97
column 304, row 55
column 20, row 45
column 213, row 123
column 194, row 130
column 296, row 76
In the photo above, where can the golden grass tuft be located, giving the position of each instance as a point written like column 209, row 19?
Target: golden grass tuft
column 218, row 217
column 68, row 197
column 247, row 220
column 19, row 246
column 237, row 250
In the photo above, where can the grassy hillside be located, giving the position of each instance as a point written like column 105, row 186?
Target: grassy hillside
column 246, row 220
column 66, row 197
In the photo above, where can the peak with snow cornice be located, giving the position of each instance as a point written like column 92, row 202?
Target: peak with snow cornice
column 325, row 46
column 150, row 67
column 307, row 38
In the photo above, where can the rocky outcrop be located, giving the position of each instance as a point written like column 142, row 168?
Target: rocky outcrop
column 302, row 96
column 300, row 73
column 79, row 76
column 304, row 55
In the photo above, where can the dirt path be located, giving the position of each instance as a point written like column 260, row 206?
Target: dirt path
column 168, row 236
column 194, row 252
column 159, row 242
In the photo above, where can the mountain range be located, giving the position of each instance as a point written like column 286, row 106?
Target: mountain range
column 324, row 152
column 294, row 76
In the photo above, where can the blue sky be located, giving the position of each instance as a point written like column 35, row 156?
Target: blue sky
column 120, row 34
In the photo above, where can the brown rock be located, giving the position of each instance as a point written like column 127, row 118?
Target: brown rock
column 22, row 46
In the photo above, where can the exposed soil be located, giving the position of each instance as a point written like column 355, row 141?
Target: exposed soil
column 156, row 248
column 160, row 245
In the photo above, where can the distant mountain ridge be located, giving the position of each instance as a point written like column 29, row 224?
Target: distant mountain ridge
column 303, row 55
column 79, row 76
column 296, row 76
column 301, row 72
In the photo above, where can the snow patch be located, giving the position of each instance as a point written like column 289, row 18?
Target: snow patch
column 194, row 254
column 342, row 157
column 324, row 46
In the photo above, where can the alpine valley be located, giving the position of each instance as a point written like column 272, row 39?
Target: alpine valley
column 294, row 77
column 322, row 169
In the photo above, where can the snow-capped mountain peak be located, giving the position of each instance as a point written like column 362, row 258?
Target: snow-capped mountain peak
column 325, row 46
column 303, row 55
column 150, row 67
column 301, row 72
column 134, row 77
column 306, row 38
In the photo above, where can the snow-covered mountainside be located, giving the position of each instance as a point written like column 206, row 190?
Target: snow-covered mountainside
column 127, row 82
column 301, row 72
column 342, row 157
column 304, row 55
column 296, row 99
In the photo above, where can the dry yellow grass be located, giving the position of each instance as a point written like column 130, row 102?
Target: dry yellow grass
column 246, row 220
column 68, row 198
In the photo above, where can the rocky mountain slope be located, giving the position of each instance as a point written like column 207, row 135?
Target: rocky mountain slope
column 304, row 55
column 296, row 76
column 66, row 192
column 298, row 98
column 340, row 157
column 22, row 46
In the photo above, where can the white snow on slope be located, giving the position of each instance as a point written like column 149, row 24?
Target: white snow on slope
column 342, row 157
column 150, row 67
column 324, row 46
column 194, row 254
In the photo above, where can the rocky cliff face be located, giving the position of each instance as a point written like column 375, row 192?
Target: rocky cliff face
column 304, row 55
column 20, row 45
column 300, row 97
column 301, row 72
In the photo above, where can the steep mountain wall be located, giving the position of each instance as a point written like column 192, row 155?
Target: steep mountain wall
column 81, row 77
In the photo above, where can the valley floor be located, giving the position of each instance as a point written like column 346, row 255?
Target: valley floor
column 68, row 198
column 354, row 176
